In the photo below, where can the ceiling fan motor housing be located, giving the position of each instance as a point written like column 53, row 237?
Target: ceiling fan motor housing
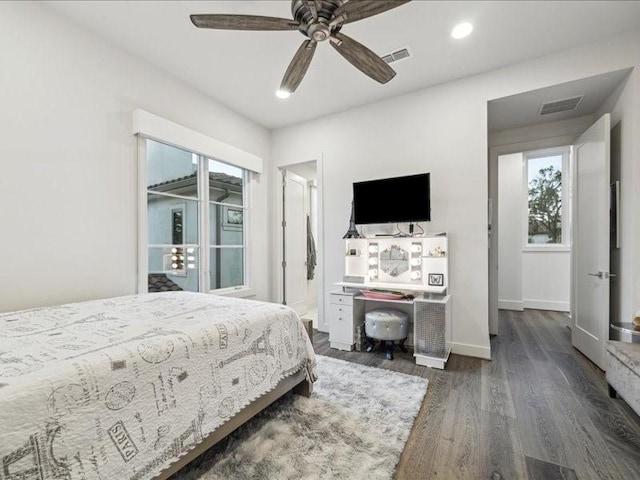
column 319, row 29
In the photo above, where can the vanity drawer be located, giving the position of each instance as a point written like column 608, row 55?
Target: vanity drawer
column 341, row 299
column 341, row 312
column 341, row 318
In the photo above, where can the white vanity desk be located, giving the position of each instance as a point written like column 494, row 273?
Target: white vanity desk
column 381, row 264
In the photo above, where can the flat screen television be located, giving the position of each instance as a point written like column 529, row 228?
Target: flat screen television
column 393, row 200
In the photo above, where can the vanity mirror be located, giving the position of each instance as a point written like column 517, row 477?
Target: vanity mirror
column 394, row 261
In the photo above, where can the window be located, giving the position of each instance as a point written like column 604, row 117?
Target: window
column 546, row 184
column 196, row 218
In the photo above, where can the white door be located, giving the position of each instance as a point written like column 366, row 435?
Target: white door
column 590, row 259
column 295, row 242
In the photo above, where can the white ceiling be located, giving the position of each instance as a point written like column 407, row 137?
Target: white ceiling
column 244, row 69
column 523, row 109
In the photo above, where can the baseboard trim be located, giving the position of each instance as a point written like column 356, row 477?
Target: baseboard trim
column 471, row 350
column 515, row 305
column 547, row 305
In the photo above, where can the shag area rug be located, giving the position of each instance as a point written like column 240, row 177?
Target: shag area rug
column 354, row 426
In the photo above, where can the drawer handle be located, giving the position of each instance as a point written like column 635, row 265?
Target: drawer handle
column 339, row 299
column 340, row 318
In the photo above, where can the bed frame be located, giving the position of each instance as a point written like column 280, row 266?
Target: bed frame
column 297, row 383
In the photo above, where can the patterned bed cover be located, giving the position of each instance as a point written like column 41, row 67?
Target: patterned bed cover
column 123, row 387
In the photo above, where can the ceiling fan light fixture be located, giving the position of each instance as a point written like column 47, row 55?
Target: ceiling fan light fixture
column 283, row 94
column 461, row 30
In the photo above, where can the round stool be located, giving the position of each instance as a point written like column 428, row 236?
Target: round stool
column 387, row 326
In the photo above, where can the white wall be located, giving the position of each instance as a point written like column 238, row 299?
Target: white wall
column 443, row 130
column 68, row 181
column 546, row 280
column 510, row 232
column 363, row 144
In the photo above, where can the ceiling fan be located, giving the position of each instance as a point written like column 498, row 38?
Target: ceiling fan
column 319, row 20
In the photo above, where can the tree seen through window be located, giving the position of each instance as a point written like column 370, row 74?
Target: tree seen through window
column 545, row 200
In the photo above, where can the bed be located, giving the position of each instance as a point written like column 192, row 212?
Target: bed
column 137, row 386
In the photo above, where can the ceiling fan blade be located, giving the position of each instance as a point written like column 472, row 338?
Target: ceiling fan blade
column 362, row 58
column 355, row 10
column 298, row 66
column 243, row 22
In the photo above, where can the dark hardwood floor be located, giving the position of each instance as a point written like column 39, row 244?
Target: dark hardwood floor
column 539, row 410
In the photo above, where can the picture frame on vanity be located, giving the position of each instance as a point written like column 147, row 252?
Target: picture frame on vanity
column 435, row 279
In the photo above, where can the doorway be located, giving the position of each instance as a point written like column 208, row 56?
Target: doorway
column 534, row 248
column 521, row 135
column 300, row 246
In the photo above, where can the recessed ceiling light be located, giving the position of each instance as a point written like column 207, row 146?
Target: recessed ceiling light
column 283, row 94
column 462, row 30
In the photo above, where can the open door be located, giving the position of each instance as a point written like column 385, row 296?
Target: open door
column 294, row 248
column 590, row 258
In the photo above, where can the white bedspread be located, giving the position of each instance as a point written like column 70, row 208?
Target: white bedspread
column 121, row 388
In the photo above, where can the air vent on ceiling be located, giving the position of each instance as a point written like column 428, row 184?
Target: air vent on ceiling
column 561, row 105
column 398, row 55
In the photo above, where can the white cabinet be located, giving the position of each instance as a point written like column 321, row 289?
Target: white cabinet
column 344, row 318
column 432, row 331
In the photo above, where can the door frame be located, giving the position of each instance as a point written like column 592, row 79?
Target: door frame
column 323, row 326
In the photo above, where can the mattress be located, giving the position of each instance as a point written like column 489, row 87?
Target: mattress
column 123, row 387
